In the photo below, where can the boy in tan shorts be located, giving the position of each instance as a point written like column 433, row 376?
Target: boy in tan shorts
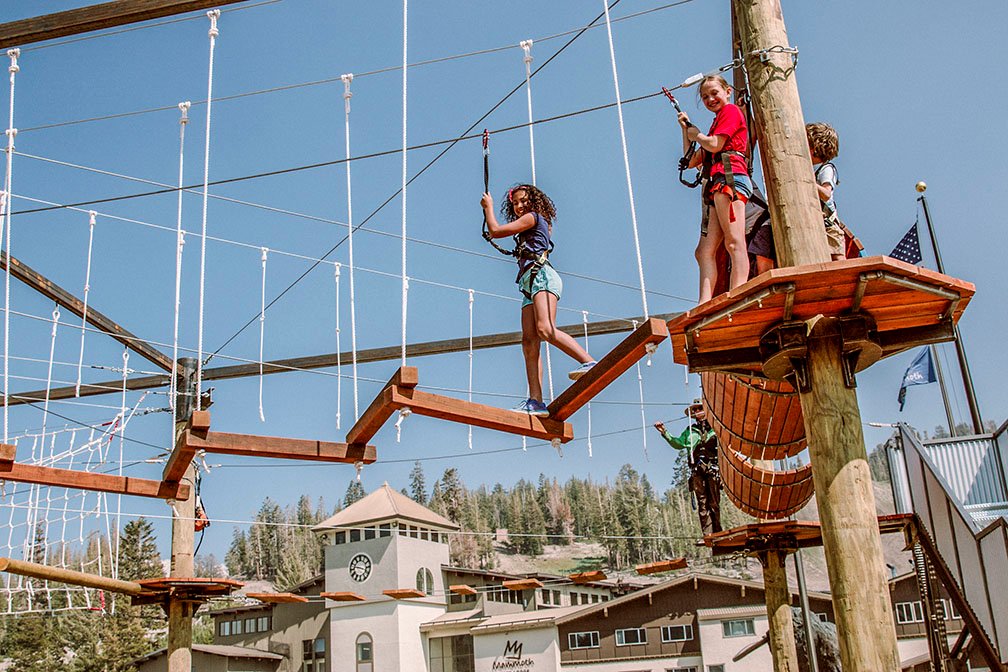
column 824, row 145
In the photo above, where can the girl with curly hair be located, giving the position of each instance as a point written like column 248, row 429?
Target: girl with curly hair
column 529, row 214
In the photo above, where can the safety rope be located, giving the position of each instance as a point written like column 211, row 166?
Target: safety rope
column 643, row 417
column 114, row 557
column 626, row 163
column 52, row 352
column 179, row 244
column 262, row 330
column 8, row 188
column 584, row 324
column 549, row 371
column 347, row 78
column 470, row 358
column 526, row 46
column 339, row 362
column 92, row 217
column 213, row 15
column 405, row 65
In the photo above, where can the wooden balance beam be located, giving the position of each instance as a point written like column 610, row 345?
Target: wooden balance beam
column 47, row 573
column 85, row 480
column 197, row 437
column 400, row 393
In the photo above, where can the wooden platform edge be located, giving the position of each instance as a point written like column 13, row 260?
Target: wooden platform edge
column 86, row 480
column 224, row 443
column 614, row 364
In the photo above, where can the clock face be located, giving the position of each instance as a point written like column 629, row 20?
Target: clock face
column 359, row 567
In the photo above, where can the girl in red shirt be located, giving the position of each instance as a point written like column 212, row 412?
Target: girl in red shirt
column 726, row 191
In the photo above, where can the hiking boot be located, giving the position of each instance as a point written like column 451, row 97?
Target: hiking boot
column 581, row 370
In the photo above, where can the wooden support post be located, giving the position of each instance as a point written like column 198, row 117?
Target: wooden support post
column 778, row 604
column 50, row 573
column 865, row 626
column 633, row 348
column 180, row 612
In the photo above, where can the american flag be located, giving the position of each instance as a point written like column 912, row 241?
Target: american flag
column 908, row 249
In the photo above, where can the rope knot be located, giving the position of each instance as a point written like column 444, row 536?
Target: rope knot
column 11, row 134
column 526, row 46
column 557, row 446
column 213, row 15
column 13, row 55
column 347, row 95
column 358, row 467
column 92, row 217
column 184, row 109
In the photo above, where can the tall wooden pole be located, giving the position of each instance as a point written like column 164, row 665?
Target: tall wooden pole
column 183, row 532
column 778, row 600
column 840, row 471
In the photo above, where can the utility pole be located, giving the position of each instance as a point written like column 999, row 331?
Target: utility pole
column 960, row 351
column 180, row 612
column 840, row 470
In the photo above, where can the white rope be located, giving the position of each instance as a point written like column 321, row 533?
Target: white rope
column 405, row 66
column 526, row 46
column 549, row 371
column 584, row 323
column 643, row 417
column 179, row 244
column 114, row 560
column 262, row 330
column 213, row 15
column 347, row 78
column 339, row 364
column 626, row 162
column 470, row 358
column 52, row 352
column 92, row 216
column 8, row 188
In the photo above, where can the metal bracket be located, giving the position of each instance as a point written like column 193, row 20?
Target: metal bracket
column 784, row 349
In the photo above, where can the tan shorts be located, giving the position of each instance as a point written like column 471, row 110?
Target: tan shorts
column 835, row 239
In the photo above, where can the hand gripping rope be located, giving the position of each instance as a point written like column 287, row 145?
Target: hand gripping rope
column 486, row 188
column 688, row 156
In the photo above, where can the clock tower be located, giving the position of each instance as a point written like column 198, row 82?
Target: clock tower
column 385, row 541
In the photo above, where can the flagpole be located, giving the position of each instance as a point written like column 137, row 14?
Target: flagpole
column 960, row 351
column 941, row 384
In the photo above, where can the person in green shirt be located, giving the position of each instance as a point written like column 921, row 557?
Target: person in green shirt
column 701, row 446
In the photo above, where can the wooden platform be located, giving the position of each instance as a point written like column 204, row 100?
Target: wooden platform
column 786, row 535
column 344, row 596
column 462, row 589
column 661, row 566
column 522, row 584
column 403, row 593
column 909, row 306
column 277, row 598
column 188, row 589
column 587, row 577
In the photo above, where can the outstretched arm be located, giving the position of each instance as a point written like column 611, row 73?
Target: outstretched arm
column 684, row 441
column 526, row 221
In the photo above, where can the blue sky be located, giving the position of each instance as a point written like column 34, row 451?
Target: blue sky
column 903, row 84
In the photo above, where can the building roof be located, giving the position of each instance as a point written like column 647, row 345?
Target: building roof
column 529, row 619
column 385, row 504
column 742, row 611
column 218, row 650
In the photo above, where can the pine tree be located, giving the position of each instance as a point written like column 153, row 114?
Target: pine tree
column 418, row 485
column 354, row 493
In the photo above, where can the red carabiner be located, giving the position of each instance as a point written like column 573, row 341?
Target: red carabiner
column 675, row 103
column 486, row 139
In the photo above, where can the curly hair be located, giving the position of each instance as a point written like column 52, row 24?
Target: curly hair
column 538, row 202
column 823, row 141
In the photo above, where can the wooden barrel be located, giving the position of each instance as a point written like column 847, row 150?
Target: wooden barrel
column 760, row 418
column 764, row 493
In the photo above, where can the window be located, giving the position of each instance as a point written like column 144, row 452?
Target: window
column 354, row 535
column 250, row 625
column 546, row 596
column 631, row 636
column 556, row 597
column 313, row 653
column 594, row 598
column 224, row 628
column 369, row 533
column 950, row 610
column 341, row 537
column 264, row 623
column 909, row 612
column 821, row 615
column 583, row 640
column 738, row 627
column 413, row 531
column 425, row 535
column 574, row 599
column 452, row 654
column 364, row 652
column 385, row 530
column 425, row 581
column 682, row 669
column 715, row 668
column 236, row 627
column 676, row 633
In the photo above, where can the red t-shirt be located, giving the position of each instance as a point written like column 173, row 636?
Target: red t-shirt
column 731, row 122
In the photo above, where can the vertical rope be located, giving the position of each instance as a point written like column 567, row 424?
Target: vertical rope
column 584, row 324
column 87, row 288
column 213, row 15
column 549, row 371
column 643, row 417
column 52, row 352
column 262, row 329
column 8, row 187
column 470, row 357
column 339, row 363
column 179, row 244
column 347, row 78
column 405, row 33
column 114, row 559
column 626, row 162
column 526, row 46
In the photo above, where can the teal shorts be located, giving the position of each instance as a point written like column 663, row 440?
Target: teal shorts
column 547, row 280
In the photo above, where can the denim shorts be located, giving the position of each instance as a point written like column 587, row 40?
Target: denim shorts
column 743, row 184
column 546, row 280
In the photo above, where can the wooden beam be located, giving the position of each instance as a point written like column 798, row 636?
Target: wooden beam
column 344, row 596
column 609, row 368
column 327, row 360
column 96, row 17
column 7, row 453
column 462, row 589
column 96, row 319
column 479, row 415
column 182, row 454
column 403, row 593
column 277, row 598
column 48, row 573
column 86, row 480
column 522, row 584
column 587, row 577
column 222, row 443
column 380, row 409
column 661, row 566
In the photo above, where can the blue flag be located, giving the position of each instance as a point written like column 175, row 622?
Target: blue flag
column 908, row 249
column 921, row 372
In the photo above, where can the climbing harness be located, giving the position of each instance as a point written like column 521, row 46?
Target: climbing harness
column 521, row 250
column 688, row 156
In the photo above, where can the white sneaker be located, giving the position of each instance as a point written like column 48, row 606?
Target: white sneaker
column 581, row 370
